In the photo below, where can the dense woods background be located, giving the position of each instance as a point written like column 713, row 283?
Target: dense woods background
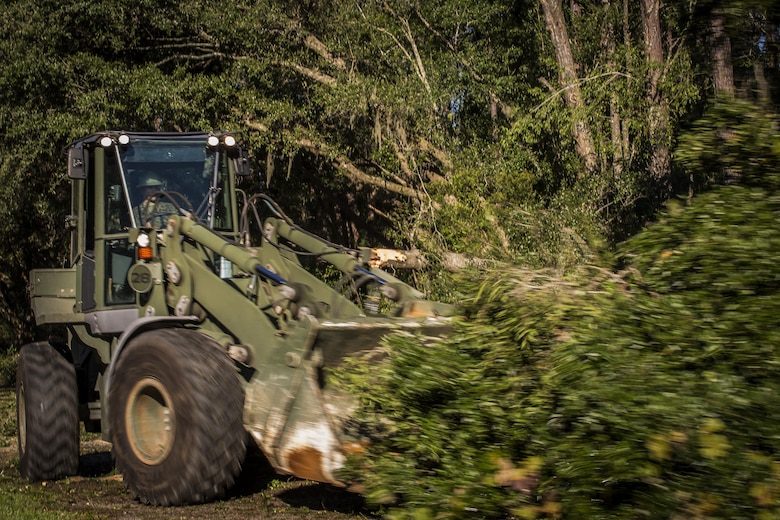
column 530, row 132
column 539, row 134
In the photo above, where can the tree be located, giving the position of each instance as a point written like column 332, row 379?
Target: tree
column 502, row 130
column 628, row 73
column 658, row 117
column 723, row 68
column 553, row 15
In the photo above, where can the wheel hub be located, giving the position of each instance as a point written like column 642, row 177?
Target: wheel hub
column 151, row 425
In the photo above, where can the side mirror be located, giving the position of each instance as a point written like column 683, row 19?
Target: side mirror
column 77, row 163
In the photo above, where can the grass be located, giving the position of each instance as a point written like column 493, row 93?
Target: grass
column 20, row 499
column 7, row 418
column 98, row 492
column 8, row 369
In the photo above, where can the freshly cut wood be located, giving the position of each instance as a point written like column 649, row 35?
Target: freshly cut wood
column 414, row 259
column 397, row 258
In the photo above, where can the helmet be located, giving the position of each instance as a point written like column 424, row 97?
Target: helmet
column 149, row 180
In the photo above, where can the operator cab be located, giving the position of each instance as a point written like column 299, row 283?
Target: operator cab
column 132, row 180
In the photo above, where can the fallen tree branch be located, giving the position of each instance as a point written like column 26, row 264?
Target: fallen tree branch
column 454, row 262
column 397, row 259
column 313, row 43
column 344, row 164
column 439, row 154
column 414, row 259
column 310, row 73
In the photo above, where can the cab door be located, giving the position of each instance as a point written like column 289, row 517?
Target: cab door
column 113, row 252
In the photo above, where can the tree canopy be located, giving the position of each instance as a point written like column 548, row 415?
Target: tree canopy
column 515, row 130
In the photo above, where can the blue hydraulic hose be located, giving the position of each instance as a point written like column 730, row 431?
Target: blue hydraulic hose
column 378, row 279
column 270, row 275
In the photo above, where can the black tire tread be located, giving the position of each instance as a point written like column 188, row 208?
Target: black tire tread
column 214, row 399
column 51, row 404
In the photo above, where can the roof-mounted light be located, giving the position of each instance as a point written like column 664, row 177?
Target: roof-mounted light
column 219, row 139
column 106, row 141
column 123, row 139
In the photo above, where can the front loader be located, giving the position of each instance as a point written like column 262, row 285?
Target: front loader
column 187, row 334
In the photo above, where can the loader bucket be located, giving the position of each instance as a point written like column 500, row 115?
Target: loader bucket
column 297, row 418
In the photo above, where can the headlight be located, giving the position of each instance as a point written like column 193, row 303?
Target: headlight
column 143, row 240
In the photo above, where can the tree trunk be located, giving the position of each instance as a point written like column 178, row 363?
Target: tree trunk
column 762, row 85
column 720, row 51
column 658, row 113
column 567, row 76
column 615, row 123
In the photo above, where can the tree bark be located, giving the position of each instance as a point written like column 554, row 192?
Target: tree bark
column 762, row 85
column 309, row 72
column 720, row 51
column 615, row 122
column 658, row 113
column 567, row 76
column 313, row 43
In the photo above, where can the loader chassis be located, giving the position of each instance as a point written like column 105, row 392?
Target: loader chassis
column 186, row 328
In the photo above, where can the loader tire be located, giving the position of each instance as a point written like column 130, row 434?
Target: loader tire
column 47, row 414
column 175, row 417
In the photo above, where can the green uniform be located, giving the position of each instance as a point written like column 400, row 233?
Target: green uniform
column 153, row 212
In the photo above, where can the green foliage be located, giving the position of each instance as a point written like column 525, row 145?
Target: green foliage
column 8, row 362
column 644, row 393
column 735, row 141
column 459, row 103
column 494, row 209
column 454, row 423
column 8, row 428
column 676, row 376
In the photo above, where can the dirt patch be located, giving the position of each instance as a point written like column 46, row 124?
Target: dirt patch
column 99, row 492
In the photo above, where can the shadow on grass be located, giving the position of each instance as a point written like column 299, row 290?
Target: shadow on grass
column 323, row 497
column 97, row 464
column 258, row 476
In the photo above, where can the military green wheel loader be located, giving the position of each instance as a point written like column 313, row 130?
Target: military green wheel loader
column 186, row 330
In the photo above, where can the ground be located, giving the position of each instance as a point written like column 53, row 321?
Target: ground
column 98, row 491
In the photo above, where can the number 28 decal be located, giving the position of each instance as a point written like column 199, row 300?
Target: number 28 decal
column 140, row 278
